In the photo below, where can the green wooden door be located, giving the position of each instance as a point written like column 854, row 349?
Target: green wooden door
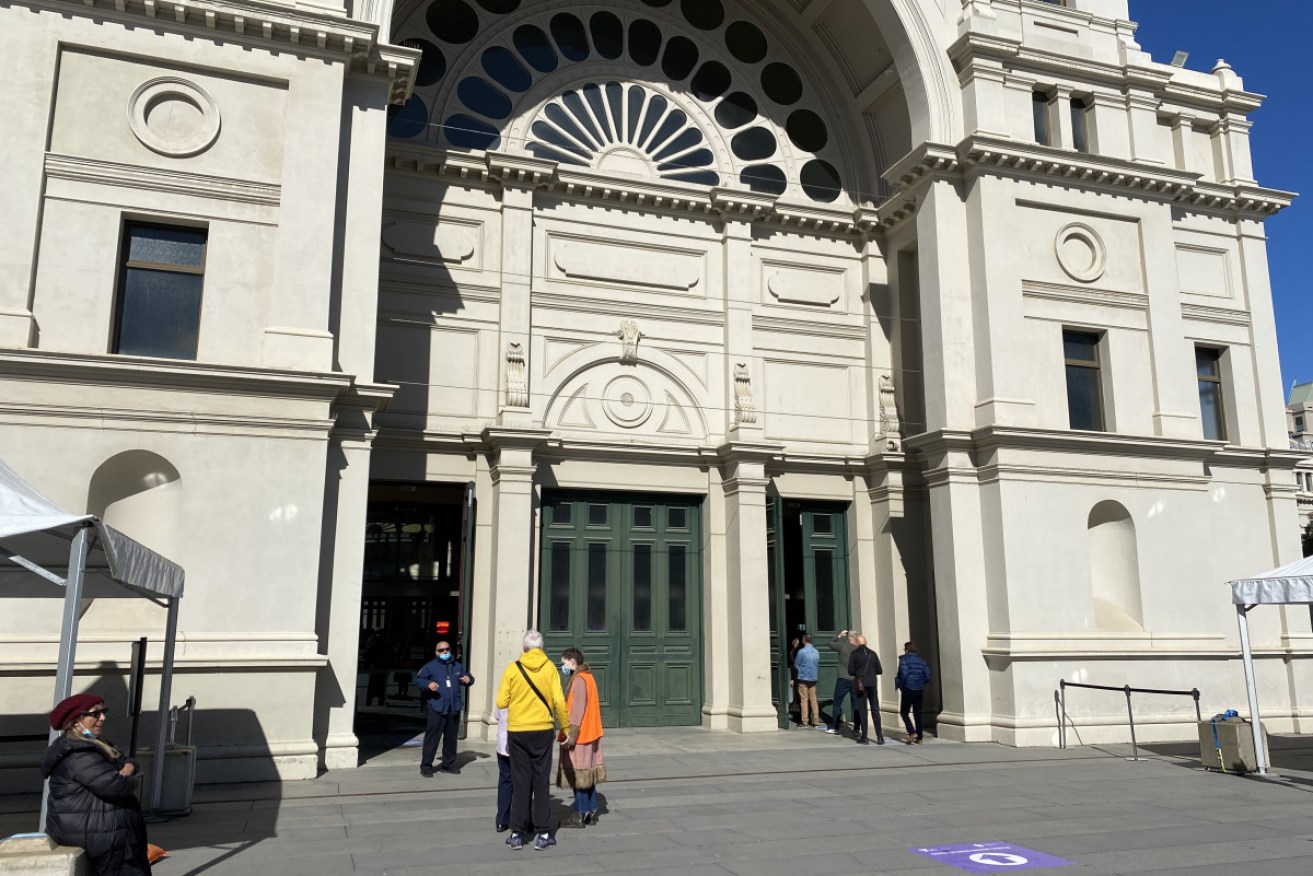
column 807, row 548
column 621, row 581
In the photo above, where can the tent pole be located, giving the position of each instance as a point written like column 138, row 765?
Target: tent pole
column 166, row 693
column 68, row 635
column 1242, row 618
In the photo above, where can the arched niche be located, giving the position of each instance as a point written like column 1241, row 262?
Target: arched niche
column 652, row 397
column 1114, row 568
column 137, row 492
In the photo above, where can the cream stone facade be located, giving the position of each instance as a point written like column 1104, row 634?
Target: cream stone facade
column 668, row 327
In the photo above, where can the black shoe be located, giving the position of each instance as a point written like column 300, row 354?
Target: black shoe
column 502, row 828
column 590, row 817
column 426, row 772
column 451, row 771
column 879, row 740
column 862, row 740
column 576, row 819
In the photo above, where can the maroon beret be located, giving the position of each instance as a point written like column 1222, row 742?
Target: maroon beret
column 70, row 709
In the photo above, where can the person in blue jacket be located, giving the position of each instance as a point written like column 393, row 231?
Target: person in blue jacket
column 913, row 676
column 442, row 683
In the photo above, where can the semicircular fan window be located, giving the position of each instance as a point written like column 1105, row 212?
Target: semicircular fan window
column 622, row 127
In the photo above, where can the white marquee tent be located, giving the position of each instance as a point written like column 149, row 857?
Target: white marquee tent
column 87, row 559
column 1289, row 585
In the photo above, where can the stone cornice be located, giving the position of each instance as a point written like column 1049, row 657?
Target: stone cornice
column 140, row 372
column 1096, row 443
column 276, row 26
column 96, row 171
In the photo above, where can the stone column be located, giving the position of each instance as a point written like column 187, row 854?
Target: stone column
column 510, row 600
column 745, row 610
column 1175, row 387
column 742, row 291
column 346, row 502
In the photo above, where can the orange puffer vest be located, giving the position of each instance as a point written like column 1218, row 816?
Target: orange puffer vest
column 590, row 727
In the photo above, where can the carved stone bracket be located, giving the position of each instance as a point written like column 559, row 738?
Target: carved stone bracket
column 629, row 336
column 745, row 409
column 517, row 389
column 890, row 427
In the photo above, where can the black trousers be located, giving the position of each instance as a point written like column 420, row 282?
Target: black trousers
column 504, row 786
column 867, row 702
column 444, row 727
column 911, row 701
column 531, row 767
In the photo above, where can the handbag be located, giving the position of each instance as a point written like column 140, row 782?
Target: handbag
column 859, row 683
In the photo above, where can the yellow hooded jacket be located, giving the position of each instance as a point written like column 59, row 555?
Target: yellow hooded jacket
column 526, row 711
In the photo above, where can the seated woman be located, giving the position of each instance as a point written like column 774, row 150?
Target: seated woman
column 93, row 803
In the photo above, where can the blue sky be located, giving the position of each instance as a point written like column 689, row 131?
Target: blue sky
column 1265, row 42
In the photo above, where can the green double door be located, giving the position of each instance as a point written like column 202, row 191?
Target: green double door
column 622, row 581
column 807, row 553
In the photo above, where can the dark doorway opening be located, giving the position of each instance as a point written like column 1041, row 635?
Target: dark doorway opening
column 414, row 593
column 807, row 561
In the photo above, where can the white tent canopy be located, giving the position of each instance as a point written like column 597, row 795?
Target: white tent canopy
column 1291, row 584
column 85, row 558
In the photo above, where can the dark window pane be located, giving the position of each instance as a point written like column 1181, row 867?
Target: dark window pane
column 822, row 524
column 678, row 592
column 166, row 246
column 562, row 513
column 644, row 42
column 500, row 7
column 160, row 314
column 1210, row 410
column 781, row 83
column 1206, row 362
column 1039, row 104
column 1078, row 139
column 700, row 177
column 736, row 110
column 770, row 582
column 699, row 158
column 582, row 118
column 643, row 587
column 643, row 516
column 533, row 46
column 501, row 64
column 807, row 130
column 596, row 587
column 655, row 107
column 765, row 178
column 672, row 123
column 568, row 31
column 485, row 99
column 687, row 139
column 408, row 120
column 680, row 57
column 824, row 561
column 597, row 515
column 1080, row 347
column 677, row 518
column 432, row 63
column 820, row 180
column 746, row 42
column 704, row 14
column 711, row 81
column 559, row 595
column 467, row 132
column 753, row 144
column 608, row 34
column 1084, row 401
column 452, row 21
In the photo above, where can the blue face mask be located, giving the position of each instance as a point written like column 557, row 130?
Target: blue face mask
column 87, row 733
column 446, row 658
column 566, row 669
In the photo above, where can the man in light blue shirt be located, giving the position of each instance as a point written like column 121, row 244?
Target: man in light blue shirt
column 807, row 663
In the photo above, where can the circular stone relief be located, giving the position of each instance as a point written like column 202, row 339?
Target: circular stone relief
column 627, row 402
column 1080, row 251
column 173, row 117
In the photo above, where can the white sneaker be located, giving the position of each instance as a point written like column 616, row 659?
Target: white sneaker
column 831, row 731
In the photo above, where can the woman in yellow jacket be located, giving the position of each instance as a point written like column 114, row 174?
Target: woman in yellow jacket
column 581, row 766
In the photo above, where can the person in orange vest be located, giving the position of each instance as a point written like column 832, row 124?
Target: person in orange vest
column 580, row 765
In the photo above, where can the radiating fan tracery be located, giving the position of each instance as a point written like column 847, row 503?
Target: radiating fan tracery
column 755, row 106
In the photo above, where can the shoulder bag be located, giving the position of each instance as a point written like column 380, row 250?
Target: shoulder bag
column 542, row 699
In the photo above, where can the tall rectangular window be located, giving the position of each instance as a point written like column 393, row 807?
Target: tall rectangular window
column 1079, row 136
column 1299, row 424
column 159, row 301
column 1084, row 385
column 1208, row 365
column 1039, row 105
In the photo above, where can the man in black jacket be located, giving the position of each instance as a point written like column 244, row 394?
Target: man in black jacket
column 442, row 683
column 864, row 667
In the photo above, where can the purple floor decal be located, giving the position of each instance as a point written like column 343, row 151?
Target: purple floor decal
column 990, row 857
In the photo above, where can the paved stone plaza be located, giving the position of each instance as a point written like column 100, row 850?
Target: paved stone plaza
column 790, row 803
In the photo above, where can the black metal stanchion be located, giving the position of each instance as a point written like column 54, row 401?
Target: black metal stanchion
column 1130, row 713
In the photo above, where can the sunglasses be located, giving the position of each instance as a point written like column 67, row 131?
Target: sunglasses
column 95, row 713
column 444, row 650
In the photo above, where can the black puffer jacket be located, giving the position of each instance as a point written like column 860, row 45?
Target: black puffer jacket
column 93, row 806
